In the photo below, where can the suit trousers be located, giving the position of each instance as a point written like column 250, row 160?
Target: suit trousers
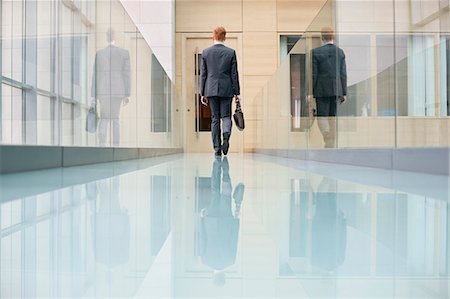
column 220, row 110
column 326, row 119
column 109, row 117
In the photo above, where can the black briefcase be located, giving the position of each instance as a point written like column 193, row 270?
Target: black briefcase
column 239, row 117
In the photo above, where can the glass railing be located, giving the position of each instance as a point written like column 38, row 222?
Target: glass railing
column 79, row 73
column 397, row 56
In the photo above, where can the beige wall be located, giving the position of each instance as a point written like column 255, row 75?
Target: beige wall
column 260, row 23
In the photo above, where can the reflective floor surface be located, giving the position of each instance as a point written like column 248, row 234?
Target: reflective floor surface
column 191, row 226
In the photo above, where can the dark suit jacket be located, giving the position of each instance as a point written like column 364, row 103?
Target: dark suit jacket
column 112, row 74
column 219, row 236
column 219, row 72
column 329, row 72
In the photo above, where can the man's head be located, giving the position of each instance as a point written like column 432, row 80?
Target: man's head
column 111, row 35
column 327, row 34
column 220, row 34
column 219, row 278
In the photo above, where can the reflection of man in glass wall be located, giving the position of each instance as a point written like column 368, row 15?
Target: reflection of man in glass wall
column 220, row 220
column 318, row 227
column 111, row 85
column 329, row 76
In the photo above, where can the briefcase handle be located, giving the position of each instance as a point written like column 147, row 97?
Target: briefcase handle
column 238, row 107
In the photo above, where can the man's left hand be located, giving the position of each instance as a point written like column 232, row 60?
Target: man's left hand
column 343, row 99
column 204, row 100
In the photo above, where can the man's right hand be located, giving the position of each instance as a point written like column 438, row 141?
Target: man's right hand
column 204, row 100
column 93, row 103
column 238, row 98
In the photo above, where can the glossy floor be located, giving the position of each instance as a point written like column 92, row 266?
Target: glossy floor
column 249, row 226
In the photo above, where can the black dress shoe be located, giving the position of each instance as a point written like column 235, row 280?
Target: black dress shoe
column 226, row 143
column 218, row 154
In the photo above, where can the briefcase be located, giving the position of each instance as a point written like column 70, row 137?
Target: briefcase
column 92, row 120
column 239, row 117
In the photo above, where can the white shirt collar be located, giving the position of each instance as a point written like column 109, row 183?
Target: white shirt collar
column 329, row 43
column 216, row 42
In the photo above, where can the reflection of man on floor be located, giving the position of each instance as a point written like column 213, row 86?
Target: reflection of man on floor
column 220, row 222
column 111, row 86
column 329, row 228
column 329, row 76
column 111, row 225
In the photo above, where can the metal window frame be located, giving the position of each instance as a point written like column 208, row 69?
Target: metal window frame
column 1, row 75
column 24, row 114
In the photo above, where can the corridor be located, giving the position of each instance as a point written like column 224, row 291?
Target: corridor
column 250, row 226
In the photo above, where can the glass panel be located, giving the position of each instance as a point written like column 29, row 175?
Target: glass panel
column 385, row 75
column 17, row 116
column 11, row 214
column 44, row 45
column 161, row 97
column 160, row 212
column 7, row 40
column 44, row 258
column 421, row 76
column 44, row 204
column 6, row 114
column 422, row 98
column 17, row 40
column 66, row 38
column 11, row 115
column 358, row 55
column 67, row 123
column 129, row 100
column 44, row 115
column 144, row 72
column 12, row 39
column 11, row 271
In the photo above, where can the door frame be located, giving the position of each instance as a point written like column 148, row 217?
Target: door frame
column 238, row 137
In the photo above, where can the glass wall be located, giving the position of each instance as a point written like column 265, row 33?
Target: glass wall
column 396, row 72
column 79, row 73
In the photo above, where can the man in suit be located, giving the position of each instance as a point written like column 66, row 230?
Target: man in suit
column 219, row 84
column 111, row 86
column 329, row 76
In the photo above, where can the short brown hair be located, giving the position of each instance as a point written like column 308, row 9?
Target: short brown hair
column 220, row 34
column 327, row 33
